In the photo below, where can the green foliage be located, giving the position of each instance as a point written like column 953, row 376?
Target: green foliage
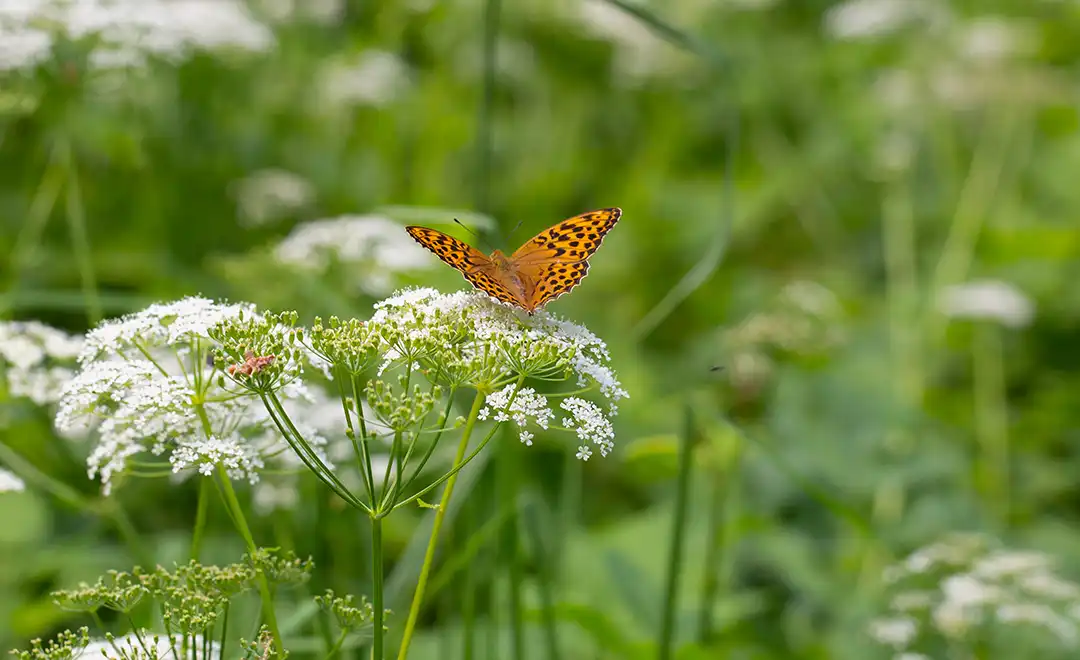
column 802, row 196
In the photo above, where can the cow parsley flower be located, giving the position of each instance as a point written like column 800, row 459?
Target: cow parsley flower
column 126, row 32
column 959, row 590
column 160, row 382
column 9, row 483
column 36, row 359
column 467, row 339
column 376, row 250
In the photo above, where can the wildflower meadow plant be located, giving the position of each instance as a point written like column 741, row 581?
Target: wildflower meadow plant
column 967, row 592
column 225, row 393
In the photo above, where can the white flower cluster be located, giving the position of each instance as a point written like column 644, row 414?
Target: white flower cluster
column 519, row 407
column 37, row 359
column 959, row 588
column 990, row 300
column 466, row 337
column 150, row 646
column 126, row 31
column 9, row 483
column 375, row 248
column 146, row 385
column 266, row 196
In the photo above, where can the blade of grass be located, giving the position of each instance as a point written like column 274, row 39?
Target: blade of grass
column 666, row 643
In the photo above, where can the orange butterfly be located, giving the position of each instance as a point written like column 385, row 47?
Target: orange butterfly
column 547, row 266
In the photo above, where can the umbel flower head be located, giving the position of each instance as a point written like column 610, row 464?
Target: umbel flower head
column 465, row 339
column 36, row 359
column 966, row 591
column 156, row 382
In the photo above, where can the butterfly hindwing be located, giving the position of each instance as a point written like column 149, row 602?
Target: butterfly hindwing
column 555, row 280
column 474, row 265
column 570, row 241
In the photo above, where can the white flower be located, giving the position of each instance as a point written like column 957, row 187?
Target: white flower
column 376, row 248
column 526, row 404
column 268, row 195
column 895, row 632
column 590, row 423
column 987, row 299
column 37, row 359
column 134, row 647
column 976, row 586
column 995, row 38
column 205, row 454
column 181, row 322
column 316, row 11
column 9, row 483
column 373, row 77
column 855, row 19
column 583, row 453
column 126, row 31
column 146, row 385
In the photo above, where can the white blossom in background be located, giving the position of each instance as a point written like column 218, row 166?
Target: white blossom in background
column 374, row 248
column 148, row 385
column 371, row 77
column 640, row 53
column 867, row 19
column 9, row 483
column 956, row 590
column 269, row 195
column 991, row 39
column 150, row 646
column 36, row 359
column 316, row 11
column 990, row 300
column 127, row 31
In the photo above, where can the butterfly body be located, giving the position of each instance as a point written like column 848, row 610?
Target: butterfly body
column 548, row 265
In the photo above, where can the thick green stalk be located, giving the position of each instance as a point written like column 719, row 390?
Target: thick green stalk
column 991, row 417
column 507, row 488
column 444, row 503
column 200, row 518
column 240, row 520
column 80, row 241
column 377, row 599
column 678, row 538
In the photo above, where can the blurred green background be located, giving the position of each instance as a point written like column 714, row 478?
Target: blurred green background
column 866, row 212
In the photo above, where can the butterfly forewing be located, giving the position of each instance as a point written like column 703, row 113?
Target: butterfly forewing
column 570, row 241
column 473, row 264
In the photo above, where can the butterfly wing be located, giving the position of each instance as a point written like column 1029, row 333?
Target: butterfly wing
column 554, row 261
column 473, row 264
column 572, row 240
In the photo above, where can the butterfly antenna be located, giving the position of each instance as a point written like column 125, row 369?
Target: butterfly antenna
column 512, row 231
column 467, row 228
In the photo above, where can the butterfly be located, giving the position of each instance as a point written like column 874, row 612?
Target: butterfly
column 545, row 267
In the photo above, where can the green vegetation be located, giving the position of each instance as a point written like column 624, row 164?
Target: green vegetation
column 841, row 299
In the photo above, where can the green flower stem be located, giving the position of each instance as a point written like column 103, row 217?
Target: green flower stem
column 366, row 467
column 304, row 452
column 224, row 628
column 359, row 446
column 991, row 418
column 200, row 518
column 337, row 645
column 37, row 216
column 723, row 508
column 429, row 555
column 678, row 538
column 377, row 598
column 80, row 241
column 507, row 489
column 237, row 514
column 434, row 442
